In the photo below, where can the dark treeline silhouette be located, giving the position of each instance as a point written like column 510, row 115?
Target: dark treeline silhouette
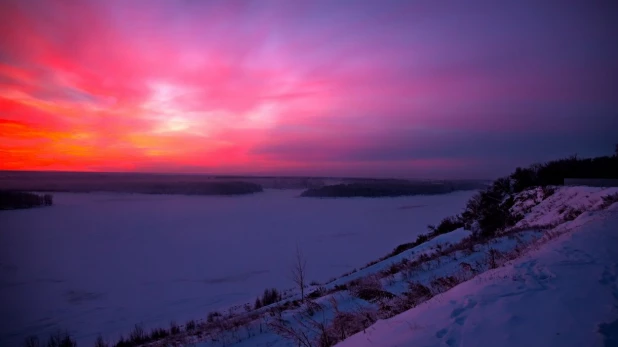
column 209, row 188
column 489, row 211
column 390, row 188
column 86, row 182
column 10, row 200
column 554, row 172
column 58, row 339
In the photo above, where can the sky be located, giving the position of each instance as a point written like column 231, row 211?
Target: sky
column 431, row 89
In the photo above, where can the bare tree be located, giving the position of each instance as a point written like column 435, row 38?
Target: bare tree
column 299, row 272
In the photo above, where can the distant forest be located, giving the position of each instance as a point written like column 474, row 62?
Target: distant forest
column 17, row 200
column 551, row 173
column 390, row 188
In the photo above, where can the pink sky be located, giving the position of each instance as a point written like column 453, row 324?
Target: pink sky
column 363, row 88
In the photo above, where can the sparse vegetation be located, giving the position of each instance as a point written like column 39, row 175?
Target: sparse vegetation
column 190, row 325
column 269, row 297
column 609, row 200
column 447, row 225
column 100, row 342
column 215, row 315
column 61, row 339
column 369, row 289
column 174, row 328
column 317, row 293
column 572, row 213
column 389, row 188
column 137, row 335
column 158, row 334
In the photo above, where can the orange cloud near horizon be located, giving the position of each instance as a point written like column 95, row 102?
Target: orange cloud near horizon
column 380, row 89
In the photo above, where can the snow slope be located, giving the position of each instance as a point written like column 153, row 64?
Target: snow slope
column 103, row 262
column 564, row 293
column 499, row 306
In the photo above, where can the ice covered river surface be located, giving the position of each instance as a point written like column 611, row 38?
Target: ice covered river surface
column 100, row 262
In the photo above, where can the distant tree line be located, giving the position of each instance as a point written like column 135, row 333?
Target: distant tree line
column 10, row 200
column 199, row 188
column 389, row 188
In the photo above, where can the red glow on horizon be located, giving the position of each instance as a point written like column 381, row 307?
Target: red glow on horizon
column 228, row 88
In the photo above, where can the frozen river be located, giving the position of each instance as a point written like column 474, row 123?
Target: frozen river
column 100, row 263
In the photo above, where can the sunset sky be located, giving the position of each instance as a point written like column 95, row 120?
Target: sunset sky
column 356, row 88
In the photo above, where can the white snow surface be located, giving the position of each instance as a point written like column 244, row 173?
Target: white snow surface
column 553, row 209
column 101, row 263
column 564, row 293
column 425, row 248
column 161, row 265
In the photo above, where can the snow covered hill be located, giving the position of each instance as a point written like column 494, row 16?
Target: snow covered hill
column 550, row 280
column 565, row 293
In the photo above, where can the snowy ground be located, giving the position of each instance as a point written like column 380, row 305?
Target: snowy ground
column 563, row 294
column 100, row 263
column 555, row 285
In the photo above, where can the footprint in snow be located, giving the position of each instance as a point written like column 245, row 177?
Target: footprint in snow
column 468, row 304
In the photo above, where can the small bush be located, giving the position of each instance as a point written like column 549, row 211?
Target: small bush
column 418, row 292
column 100, row 342
column 447, row 225
column 369, row 288
column 420, row 239
column 369, row 294
column 410, row 269
column 609, row 200
column 393, row 269
column 174, row 328
column 341, row 287
column 312, row 307
column 61, row 339
column 270, row 296
column 123, row 343
column 346, row 324
column 402, row 248
column 158, row 334
column 548, row 191
column 572, row 213
column 258, row 303
column 212, row 316
column 442, row 284
column 467, row 268
column 138, row 335
column 190, row 325
column 320, row 291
